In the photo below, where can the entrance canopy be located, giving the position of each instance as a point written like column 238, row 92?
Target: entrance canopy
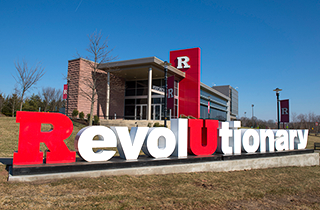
column 137, row 69
column 140, row 102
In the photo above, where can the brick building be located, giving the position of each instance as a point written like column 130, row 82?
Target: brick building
column 135, row 89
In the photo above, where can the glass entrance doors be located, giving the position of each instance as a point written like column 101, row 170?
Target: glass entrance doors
column 156, row 111
column 141, row 112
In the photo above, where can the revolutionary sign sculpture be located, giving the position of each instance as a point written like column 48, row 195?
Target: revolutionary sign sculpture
column 193, row 136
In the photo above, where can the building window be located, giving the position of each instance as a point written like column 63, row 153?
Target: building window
column 136, row 95
column 214, row 113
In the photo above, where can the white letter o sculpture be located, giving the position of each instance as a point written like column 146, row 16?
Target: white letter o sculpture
column 153, row 147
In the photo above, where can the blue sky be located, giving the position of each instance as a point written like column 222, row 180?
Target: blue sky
column 256, row 46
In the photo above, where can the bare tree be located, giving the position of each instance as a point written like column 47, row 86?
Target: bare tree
column 311, row 119
column 99, row 53
column 52, row 98
column 27, row 77
column 14, row 100
column 48, row 95
column 57, row 101
column 302, row 120
column 294, row 120
column 2, row 98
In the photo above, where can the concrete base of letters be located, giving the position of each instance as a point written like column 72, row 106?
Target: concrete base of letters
column 310, row 159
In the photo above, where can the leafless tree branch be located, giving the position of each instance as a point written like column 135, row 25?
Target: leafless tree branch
column 47, row 95
column 27, row 77
column 98, row 53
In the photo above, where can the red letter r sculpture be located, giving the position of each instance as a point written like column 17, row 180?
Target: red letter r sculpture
column 30, row 137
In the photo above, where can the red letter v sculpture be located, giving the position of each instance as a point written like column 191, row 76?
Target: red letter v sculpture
column 30, row 137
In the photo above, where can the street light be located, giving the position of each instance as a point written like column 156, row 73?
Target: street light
column 165, row 65
column 277, row 94
column 252, row 110
column 252, row 115
column 68, row 81
column 209, row 107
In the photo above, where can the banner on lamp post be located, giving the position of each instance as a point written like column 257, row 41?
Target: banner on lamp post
column 170, row 93
column 284, row 107
column 65, row 91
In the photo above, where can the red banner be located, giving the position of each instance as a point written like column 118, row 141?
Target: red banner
column 65, row 91
column 170, row 93
column 284, row 109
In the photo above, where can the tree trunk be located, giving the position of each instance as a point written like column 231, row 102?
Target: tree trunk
column 13, row 105
column 22, row 95
column 108, row 96
column 91, row 109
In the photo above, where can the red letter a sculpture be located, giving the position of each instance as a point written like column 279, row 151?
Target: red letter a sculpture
column 30, row 137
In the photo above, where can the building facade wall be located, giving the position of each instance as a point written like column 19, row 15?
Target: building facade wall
column 84, row 103
column 218, row 105
column 74, row 77
column 232, row 93
column 234, row 101
column 80, row 74
column 224, row 89
column 117, row 93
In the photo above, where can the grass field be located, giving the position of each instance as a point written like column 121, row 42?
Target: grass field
column 276, row 188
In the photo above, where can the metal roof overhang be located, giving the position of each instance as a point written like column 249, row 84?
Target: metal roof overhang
column 137, row 69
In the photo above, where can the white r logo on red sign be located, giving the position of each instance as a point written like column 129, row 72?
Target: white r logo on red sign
column 183, row 60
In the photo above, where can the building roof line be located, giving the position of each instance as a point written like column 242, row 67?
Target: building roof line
column 214, row 91
column 142, row 61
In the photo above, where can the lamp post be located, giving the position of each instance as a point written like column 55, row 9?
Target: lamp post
column 277, row 94
column 252, row 115
column 165, row 65
column 68, row 80
column 252, row 110
column 209, row 108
